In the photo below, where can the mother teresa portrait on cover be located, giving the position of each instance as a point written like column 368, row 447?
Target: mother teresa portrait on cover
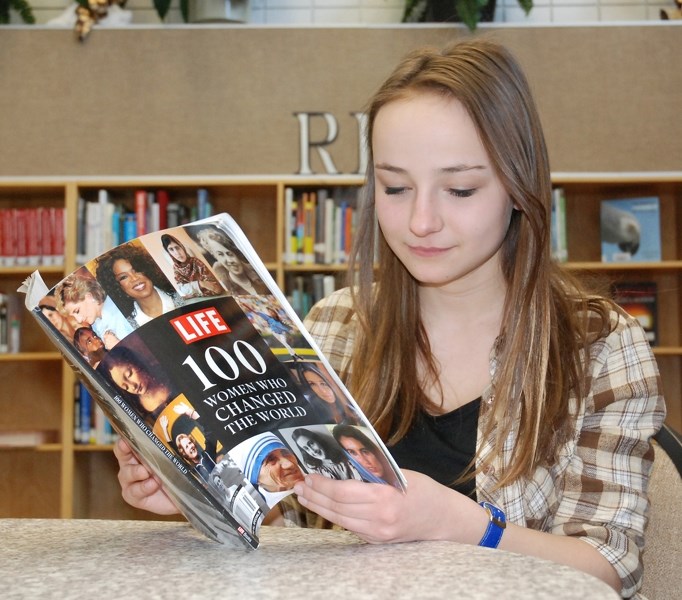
column 269, row 465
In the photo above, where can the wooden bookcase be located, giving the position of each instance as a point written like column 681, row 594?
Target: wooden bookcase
column 63, row 479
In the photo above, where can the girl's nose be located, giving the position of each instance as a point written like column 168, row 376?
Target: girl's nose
column 425, row 217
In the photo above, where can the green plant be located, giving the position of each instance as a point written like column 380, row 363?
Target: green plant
column 21, row 6
column 162, row 7
column 469, row 12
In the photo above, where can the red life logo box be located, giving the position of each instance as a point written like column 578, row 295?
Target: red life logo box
column 199, row 325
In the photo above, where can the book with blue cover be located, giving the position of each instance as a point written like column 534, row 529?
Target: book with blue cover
column 631, row 230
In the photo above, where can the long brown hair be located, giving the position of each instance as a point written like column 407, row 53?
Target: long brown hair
column 546, row 310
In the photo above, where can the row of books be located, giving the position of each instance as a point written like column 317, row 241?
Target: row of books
column 32, row 236
column 320, row 225
column 10, row 323
column 104, row 223
column 90, row 425
column 640, row 300
column 26, row 438
column 630, row 229
column 306, row 290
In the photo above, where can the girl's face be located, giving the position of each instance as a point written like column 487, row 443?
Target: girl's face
column 90, row 343
column 310, row 446
column 225, row 257
column 441, row 207
column 177, row 252
column 187, row 447
column 133, row 283
column 131, row 379
column 85, row 311
column 319, row 386
column 362, row 454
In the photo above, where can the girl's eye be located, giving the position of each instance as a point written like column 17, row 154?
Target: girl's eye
column 462, row 193
column 393, row 191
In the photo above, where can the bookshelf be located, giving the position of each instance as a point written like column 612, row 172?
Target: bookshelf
column 58, row 478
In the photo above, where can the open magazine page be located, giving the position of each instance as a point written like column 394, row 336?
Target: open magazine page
column 199, row 361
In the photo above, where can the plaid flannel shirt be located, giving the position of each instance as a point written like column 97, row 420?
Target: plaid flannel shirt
column 598, row 488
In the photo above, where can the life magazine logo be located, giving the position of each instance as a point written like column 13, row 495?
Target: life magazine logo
column 199, row 325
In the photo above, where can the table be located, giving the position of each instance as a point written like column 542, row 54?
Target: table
column 53, row 558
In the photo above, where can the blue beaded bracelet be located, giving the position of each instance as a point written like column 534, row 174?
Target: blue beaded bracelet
column 498, row 521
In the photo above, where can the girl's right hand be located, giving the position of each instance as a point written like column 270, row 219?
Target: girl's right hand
column 139, row 487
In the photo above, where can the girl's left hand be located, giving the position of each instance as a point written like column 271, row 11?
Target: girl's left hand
column 381, row 513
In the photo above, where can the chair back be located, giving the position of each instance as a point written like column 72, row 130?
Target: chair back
column 663, row 537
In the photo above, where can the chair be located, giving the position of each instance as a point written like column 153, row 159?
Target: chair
column 663, row 551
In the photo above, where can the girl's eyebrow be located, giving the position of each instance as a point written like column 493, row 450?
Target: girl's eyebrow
column 458, row 168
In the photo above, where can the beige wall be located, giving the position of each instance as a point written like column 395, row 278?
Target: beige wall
column 222, row 100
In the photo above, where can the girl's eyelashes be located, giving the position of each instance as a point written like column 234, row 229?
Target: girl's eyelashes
column 392, row 191
column 462, row 193
column 458, row 193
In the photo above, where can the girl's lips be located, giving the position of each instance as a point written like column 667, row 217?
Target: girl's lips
column 427, row 251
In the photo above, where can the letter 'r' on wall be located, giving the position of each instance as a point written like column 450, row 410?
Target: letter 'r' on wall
column 306, row 144
column 361, row 118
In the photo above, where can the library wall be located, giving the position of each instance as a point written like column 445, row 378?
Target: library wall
column 223, row 100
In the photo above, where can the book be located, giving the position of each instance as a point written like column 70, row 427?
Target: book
column 559, row 244
column 24, row 439
column 630, row 230
column 640, row 300
column 140, row 212
column 225, row 395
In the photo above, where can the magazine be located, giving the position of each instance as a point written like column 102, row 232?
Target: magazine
column 195, row 356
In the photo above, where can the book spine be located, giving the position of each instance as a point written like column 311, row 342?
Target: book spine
column 129, row 226
column 558, row 225
column 20, row 224
column 300, row 227
column 81, row 225
column 4, row 325
column 34, row 235
column 45, row 242
column 9, row 251
column 58, row 222
column 329, row 214
column 288, row 226
column 108, row 209
column 320, row 229
column 204, row 207
column 309, row 229
column 77, row 412
column 162, row 201
column 141, row 211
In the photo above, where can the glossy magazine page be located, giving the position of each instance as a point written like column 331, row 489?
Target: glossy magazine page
column 198, row 360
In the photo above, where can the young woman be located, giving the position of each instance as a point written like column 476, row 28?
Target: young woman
column 320, row 455
column 364, row 453
column 142, row 383
column 89, row 345
column 328, row 406
column 81, row 297
column 193, row 277
column 65, row 324
column 230, row 266
column 491, row 373
column 137, row 285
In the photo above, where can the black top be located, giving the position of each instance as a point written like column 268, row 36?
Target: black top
column 441, row 446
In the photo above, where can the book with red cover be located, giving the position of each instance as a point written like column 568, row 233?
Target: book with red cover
column 640, row 300
column 141, row 211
